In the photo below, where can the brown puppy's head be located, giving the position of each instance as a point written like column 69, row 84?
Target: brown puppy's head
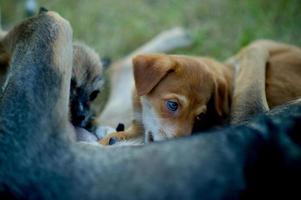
column 175, row 92
column 86, row 83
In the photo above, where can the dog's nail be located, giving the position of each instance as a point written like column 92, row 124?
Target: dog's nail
column 112, row 141
column 42, row 10
column 120, row 127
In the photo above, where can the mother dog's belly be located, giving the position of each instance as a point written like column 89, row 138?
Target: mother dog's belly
column 283, row 77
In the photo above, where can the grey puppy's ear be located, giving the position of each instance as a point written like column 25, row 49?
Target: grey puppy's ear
column 42, row 10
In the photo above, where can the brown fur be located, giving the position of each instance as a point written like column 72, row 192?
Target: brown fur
column 283, row 81
column 268, row 74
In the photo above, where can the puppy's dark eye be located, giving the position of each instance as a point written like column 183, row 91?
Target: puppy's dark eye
column 172, row 105
column 93, row 95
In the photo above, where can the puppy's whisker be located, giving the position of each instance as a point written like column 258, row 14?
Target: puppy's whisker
column 168, row 131
column 155, row 118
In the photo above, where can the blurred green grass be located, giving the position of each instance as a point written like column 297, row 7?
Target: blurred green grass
column 218, row 27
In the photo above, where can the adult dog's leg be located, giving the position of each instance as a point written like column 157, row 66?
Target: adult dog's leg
column 41, row 49
column 34, row 104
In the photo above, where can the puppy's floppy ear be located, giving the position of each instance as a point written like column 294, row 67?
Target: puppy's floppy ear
column 149, row 70
column 222, row 97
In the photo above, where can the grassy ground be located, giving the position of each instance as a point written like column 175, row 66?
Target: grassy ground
column 219, row 27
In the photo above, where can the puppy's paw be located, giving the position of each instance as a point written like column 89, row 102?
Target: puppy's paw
column 103, row 131
column 113, row 138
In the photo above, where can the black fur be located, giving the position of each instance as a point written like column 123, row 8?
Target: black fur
column 80, row 107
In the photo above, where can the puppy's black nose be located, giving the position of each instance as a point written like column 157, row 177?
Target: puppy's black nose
column 80, row 118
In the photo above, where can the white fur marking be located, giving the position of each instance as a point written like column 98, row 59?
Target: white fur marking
column 154, row 124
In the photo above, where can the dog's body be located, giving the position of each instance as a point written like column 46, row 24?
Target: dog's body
column 176, row 93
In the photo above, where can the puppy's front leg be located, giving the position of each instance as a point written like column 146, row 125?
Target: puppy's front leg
column 135, row 130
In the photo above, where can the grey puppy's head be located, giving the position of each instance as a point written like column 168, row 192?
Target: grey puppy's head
column 86, row 83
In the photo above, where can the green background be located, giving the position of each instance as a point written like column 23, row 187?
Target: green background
column 218, row 27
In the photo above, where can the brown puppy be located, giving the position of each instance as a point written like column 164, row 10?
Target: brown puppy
column 175, row 93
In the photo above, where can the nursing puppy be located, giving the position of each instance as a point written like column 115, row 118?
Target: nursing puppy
column 175, row 94
column 87, row 82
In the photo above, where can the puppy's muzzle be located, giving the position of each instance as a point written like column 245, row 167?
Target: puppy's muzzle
column 79, row 114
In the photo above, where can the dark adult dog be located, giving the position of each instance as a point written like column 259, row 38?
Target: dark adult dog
column 39, row 161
